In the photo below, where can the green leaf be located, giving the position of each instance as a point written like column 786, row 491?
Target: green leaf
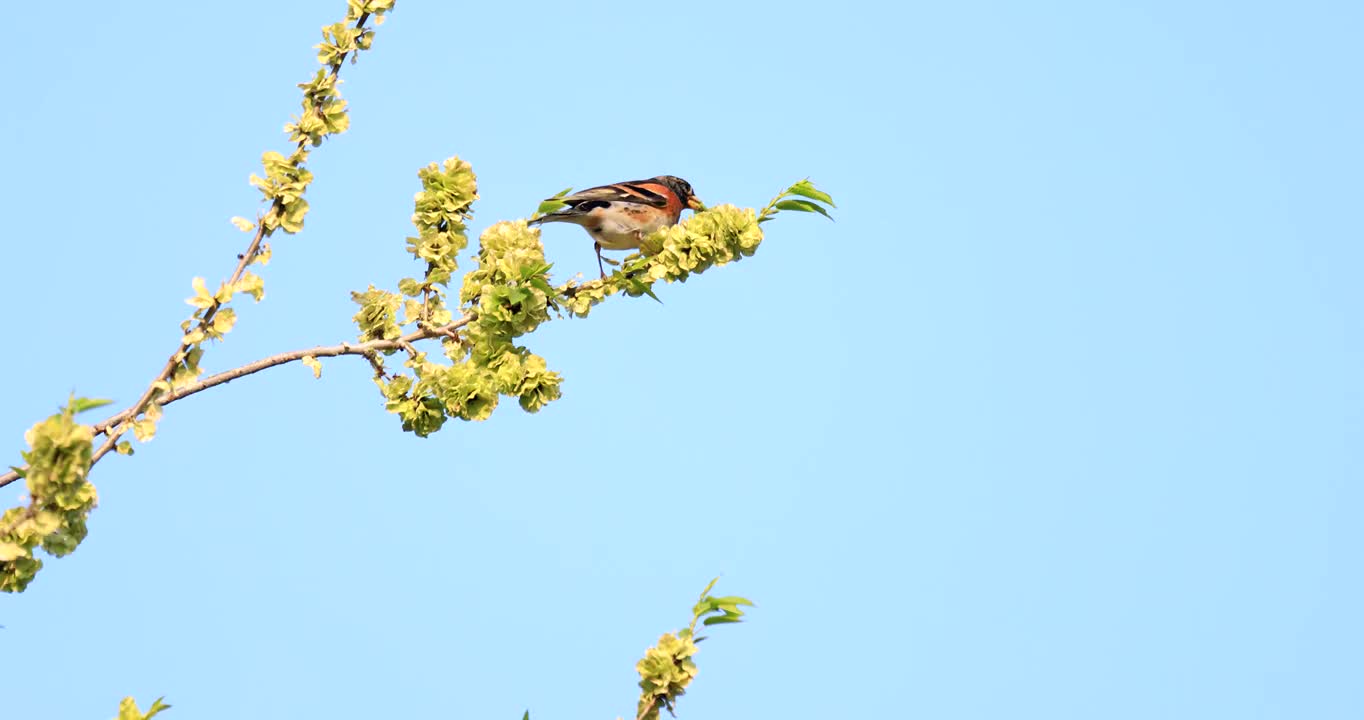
column 540, row 284
column 80, row 405
column 202, row 298
column 550, row 205
column 224, row 320
column 144, row 430
column 720, row 620
column 46, row 522
column 805, row 188
column 803, row 206
column 709, row 587
column 127, row 710
column 251, row 284
column 731, row 600
column 534, row 269
column 313, row 364
column 124, row 448
column 410, row 287
column 10, row 551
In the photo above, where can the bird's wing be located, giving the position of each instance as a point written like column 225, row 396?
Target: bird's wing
column 642, row 192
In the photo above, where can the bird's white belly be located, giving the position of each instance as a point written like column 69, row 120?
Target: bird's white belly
column 622, row 232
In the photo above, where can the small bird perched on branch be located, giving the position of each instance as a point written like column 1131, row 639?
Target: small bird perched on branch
column 620, row 215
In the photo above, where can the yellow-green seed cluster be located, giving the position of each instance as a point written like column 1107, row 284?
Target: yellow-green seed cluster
column 60, row 452
column 127, row 710
column 710, row 238
column 667, row 669
column 60, row 497
column 665, row 672
column 506, row 296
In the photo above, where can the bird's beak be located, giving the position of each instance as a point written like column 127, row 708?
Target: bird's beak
column 695, row 204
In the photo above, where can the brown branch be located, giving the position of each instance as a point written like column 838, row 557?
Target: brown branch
column 244, row 261
column 365, row 349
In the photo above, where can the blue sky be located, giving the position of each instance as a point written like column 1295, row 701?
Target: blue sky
column 1060, row 419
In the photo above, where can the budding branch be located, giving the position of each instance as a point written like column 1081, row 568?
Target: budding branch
column 365, row 349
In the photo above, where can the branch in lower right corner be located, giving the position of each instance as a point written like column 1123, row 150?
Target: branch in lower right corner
column 667, row 668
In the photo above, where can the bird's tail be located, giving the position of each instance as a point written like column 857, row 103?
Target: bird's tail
column 565, row 215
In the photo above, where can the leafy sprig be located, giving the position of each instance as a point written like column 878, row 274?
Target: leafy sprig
column 667, row 668
column 509, row 294
column 800, row 197
column 127, row 710
column 283, row 186
column 506, row 296
column 60, row 497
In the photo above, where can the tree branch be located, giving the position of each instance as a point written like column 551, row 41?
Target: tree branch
column 157, row 385
column 365, row 349
column 244, row 261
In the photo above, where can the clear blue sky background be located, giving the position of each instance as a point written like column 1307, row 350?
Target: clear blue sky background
column 1060, row 419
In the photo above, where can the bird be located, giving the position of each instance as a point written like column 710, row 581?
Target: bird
column 620, row 215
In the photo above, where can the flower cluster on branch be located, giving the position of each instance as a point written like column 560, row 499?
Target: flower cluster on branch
column 506, row 296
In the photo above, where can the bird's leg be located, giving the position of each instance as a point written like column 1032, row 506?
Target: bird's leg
column 601, row 268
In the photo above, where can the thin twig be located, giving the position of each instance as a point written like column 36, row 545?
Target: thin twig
column 377, row 364
column 366, row 349
column 244, row 261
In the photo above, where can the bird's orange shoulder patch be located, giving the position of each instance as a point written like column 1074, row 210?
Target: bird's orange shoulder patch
column 674, row 203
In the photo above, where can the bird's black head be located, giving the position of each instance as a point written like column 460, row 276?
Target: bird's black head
column 683, row 190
